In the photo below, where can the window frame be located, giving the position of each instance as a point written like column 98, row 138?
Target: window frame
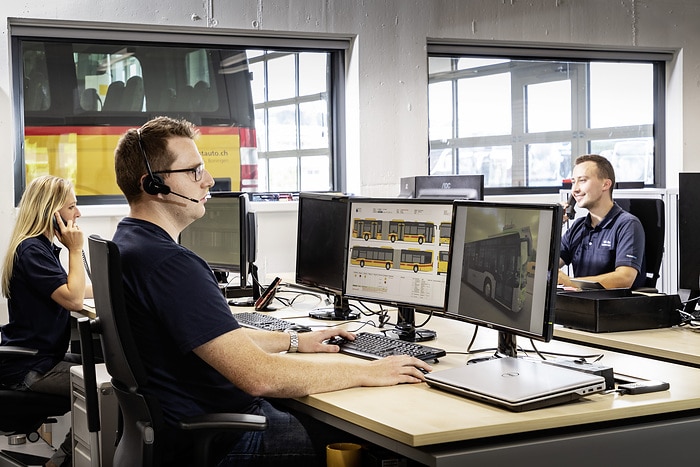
column 337, row 45
column 657, row 57
column 336, row 74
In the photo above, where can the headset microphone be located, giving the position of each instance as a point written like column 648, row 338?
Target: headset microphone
column 182, row 196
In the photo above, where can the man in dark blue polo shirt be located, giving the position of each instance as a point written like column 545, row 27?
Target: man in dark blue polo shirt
column 606, row 246
column 197, row 357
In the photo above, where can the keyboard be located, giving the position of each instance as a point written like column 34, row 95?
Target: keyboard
column 251, row 319
column 376, row 346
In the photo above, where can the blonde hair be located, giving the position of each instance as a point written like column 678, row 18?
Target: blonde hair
column 43, row 197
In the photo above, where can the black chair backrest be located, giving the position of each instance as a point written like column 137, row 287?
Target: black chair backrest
column 141, row 414
column 145, row 439
column 113, row 98
column 132, row 100
column 121, row 356
column 651, row 214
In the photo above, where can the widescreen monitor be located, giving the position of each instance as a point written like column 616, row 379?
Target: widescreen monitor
column 321, row 250
column 688, row 232
column 397, row 255
column 443, row 186
column 503, row 267
column 225, row 236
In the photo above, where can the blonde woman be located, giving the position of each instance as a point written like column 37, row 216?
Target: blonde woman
column 40, row 292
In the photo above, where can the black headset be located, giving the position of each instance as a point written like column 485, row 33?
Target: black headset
column 152, row 184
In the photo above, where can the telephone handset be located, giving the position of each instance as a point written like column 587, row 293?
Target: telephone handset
column 570, row 211
column 55, row 223
column 85, row 262
column 263, row 303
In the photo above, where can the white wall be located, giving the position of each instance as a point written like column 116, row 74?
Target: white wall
column 387, row 111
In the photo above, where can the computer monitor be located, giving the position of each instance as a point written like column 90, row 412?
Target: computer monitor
column 225, row 237
column 397, row 252
column 503, row 267
column 321, row 250
column 688, row 231
column 443, row 186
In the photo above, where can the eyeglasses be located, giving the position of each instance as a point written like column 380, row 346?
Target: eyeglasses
column 197, row 171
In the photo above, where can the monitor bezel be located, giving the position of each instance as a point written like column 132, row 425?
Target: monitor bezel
column 393, row 303
column 334, row 289
column 452, row 186
column 245, row 232
column 547, row 331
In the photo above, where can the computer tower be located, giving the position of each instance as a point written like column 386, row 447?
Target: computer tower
column 93, row 449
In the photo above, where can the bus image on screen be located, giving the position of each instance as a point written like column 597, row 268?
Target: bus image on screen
column 443, row 261
column 367, row 229
column 445, row 230
column 496, row 267
column 377, row 257
column 416, row 260
column 411, row 231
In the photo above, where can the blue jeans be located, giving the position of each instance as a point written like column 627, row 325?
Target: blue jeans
column 55, row 381
column 289, row 440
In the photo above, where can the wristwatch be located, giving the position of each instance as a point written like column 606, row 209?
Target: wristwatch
column 293, row 340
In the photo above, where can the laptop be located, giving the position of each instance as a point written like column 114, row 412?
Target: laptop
column 517, row 384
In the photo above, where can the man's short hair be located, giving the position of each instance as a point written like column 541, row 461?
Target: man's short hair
column 604, row 167
column 150, row 141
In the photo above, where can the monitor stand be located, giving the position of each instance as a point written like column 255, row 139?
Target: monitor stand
column 249, row 301
column 406, row 329
column 507, row 345
column 340, row 312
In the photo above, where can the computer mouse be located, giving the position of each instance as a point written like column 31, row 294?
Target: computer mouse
column 299, row 328
column 337, row 340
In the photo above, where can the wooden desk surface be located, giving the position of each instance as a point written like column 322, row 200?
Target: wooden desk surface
column 678, row 344
column 418, row 415
column 88, row 310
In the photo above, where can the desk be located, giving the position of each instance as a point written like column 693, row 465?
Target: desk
column 436, row 428
column 675, row 344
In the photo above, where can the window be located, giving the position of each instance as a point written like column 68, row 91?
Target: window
column 522, row 120
column 263, row 113
column 290, row 91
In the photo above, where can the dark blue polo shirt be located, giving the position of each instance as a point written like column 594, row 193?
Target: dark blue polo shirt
column 175, row 305
column 35, row 320
column 617, row 241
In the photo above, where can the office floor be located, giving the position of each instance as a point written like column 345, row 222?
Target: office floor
column 41, row 447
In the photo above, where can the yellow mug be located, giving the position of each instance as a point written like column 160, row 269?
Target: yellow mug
column 343, row 455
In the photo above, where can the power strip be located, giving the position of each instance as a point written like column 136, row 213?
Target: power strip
column 592, row 368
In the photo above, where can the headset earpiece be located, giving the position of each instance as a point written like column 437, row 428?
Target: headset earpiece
column 153, row 185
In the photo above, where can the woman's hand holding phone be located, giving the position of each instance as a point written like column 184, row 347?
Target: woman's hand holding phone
column 68, row 232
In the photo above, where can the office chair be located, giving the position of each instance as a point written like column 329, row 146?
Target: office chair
column 23, row 412
column 142, row 428
column 651, row 214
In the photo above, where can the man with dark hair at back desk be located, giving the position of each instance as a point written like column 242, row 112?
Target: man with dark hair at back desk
column 606, row 246
column 198, row 358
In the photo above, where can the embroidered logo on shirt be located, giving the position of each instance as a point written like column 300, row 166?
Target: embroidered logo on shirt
column 631, row 256
column 606, row 243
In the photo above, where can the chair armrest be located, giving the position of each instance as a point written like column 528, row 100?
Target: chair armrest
column 224, row 421
column 11, row 350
